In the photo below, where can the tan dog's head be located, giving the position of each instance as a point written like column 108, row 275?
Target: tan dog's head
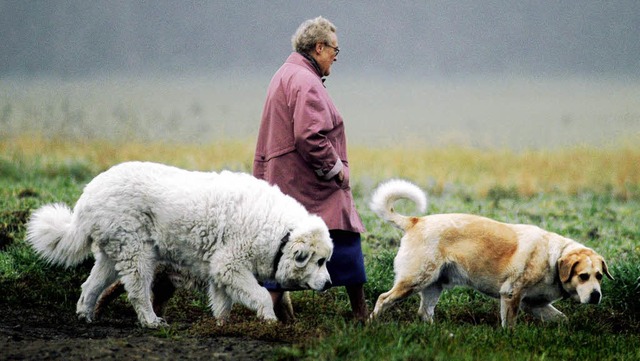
column 304, row 259
column 581, row 273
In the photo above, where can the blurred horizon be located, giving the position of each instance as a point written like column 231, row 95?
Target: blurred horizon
column 513, row 113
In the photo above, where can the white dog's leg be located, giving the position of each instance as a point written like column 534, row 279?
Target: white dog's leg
column 428, row 300
column 135, row 261
column 138, row 283
column 139, row 294
column 545, row 313
column 102, row 275
column 220, row 303
column 242, row 286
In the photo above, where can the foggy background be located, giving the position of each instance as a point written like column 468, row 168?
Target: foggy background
column 483, row 73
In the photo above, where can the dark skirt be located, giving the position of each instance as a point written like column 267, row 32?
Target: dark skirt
column 346, row 266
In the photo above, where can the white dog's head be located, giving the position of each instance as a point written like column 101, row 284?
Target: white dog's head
column 304, row 259
column 581, row 271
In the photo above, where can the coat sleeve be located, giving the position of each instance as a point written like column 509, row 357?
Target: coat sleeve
column 312, row 126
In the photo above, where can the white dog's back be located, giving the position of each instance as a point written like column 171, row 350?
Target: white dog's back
column 167, row 195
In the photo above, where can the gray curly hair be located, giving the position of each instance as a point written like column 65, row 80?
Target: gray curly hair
column 310, row 32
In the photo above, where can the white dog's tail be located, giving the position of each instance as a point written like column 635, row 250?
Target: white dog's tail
column 388, row 193
column 51, row 233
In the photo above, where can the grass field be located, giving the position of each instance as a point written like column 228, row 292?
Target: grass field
column 591, row 194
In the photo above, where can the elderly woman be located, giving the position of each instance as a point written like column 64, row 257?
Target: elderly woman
column 302, row 148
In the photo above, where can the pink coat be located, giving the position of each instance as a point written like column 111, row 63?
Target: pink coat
column 302, row 145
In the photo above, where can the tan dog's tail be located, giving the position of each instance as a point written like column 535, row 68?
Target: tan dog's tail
column 388, row 193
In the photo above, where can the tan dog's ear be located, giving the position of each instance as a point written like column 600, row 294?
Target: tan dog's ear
column 565, row 267
column 605, row 269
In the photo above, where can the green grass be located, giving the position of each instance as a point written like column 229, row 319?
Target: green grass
column 467, row 323
column 451, row 340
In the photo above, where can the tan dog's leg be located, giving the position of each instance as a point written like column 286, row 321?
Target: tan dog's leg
column 428, row 299
column 401, row 290
column 509, row 305
column 545, row 313
column 287, row 306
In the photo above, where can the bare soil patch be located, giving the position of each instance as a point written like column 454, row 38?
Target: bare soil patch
column 35, row 333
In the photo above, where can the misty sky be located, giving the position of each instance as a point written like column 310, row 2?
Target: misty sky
column 393, row 38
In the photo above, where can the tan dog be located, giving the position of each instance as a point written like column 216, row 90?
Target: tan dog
column 523, row 265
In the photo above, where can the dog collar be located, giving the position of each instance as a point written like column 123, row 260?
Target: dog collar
column 276, row 260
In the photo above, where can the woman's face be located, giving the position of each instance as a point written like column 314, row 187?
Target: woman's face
column 326, row 54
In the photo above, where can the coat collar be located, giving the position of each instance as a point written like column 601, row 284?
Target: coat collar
column 306, row 61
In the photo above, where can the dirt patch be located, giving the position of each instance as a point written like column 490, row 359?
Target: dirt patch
column 34, row 333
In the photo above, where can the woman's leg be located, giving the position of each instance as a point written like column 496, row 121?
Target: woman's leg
column 282, row 306
column 358, row 302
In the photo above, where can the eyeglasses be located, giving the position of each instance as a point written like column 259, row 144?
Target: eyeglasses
column 335, row 48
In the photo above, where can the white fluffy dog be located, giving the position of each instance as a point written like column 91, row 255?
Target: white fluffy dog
column 227, row 230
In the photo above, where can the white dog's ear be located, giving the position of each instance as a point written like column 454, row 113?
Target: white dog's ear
column 301, row 256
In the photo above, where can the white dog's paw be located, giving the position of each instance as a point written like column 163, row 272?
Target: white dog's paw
column 85, row 316
column 158, row 322
column 271, row 322
column 266, row 312
column 268, row 316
